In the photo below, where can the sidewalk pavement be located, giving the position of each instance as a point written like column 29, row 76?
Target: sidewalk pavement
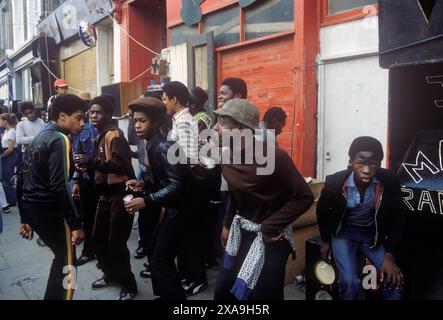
column 24, row 270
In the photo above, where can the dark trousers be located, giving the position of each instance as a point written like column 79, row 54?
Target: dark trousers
column 111, row 232
column 56, row 234
column 147, row 221
column 8, row 167
column 211, row 238
column 193, row 246
column 89, row 203
column 270, row 285
column 166, row 240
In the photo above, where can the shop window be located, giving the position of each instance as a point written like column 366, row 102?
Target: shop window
column 226, row 26
column 340, row 6
column 181, row 33
column 269, row 17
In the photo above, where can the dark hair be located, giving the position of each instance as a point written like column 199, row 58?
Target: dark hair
column 68, row 104
column 275, row 113
column 104, row 101
column 10, row 117
column 237, row 85
column 368, row 144
column 178, row 90
column 198, row 97
column 26, row 106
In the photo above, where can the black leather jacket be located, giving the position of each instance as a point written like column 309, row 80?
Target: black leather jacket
column 389, row 213
column 171, row 183
column 47, row 169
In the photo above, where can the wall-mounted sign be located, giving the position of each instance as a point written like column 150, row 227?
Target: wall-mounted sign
column 191, row 11
column 72, row 12
column 49, row 27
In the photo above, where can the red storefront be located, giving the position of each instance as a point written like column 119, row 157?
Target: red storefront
column 272, row 45
column 273, row 55
column 145, row 21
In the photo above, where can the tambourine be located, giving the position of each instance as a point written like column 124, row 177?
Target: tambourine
column 324, row 272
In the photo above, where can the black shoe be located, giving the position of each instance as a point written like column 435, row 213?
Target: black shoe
column 98, row 265
column 40, row 242
column 140, row 253
column 212, row 266
column 127, row 295
column 84, row 259
column 146, row 273
column 102, row 283
column 194, row 288
column 146, row 265
column 6, row 209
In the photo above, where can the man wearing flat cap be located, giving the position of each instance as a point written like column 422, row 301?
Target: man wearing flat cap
column 169, row 188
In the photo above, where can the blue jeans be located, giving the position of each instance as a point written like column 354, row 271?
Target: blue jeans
column 8, row 166
column 344, row 249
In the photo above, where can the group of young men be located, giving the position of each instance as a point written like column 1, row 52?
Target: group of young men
column 180, row 202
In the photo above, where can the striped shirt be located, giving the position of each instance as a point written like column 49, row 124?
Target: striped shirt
column 185, row 132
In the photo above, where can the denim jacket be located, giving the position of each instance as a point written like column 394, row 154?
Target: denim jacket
column 84, row 144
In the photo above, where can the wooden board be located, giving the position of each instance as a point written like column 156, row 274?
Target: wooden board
column 267, row 69
column 80, row 71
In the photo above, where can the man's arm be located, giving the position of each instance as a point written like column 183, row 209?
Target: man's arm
column 299, row 201
column 175, row 181
column 324, row 211
column 59, row 166
column 21, row 135
column 231, row 211
column 398, row 225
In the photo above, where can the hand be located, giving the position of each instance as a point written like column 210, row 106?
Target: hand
column 76, row 192
column 135, row 205
column 82, row 160
column 394, row 276
column 270, row 239
column 224, row 237
column 26, row 232
column 80, row 168
column 325, row 251
column 77, row 237
column 135, row 185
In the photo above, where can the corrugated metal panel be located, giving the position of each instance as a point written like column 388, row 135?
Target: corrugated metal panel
column 267, row 70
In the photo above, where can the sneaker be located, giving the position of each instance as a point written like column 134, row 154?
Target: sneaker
column 146, row 273
column 102, row 283
column 194, row 288
column 84, row 259
column 146, row 265
column 140, row 253
column 40, row 242
column 6, row 209
column 126, row 295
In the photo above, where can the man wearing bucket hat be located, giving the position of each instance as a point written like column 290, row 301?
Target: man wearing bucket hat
column 257, row 233
column 170, row 188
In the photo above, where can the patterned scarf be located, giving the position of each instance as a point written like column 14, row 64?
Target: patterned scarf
column 253, row 264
